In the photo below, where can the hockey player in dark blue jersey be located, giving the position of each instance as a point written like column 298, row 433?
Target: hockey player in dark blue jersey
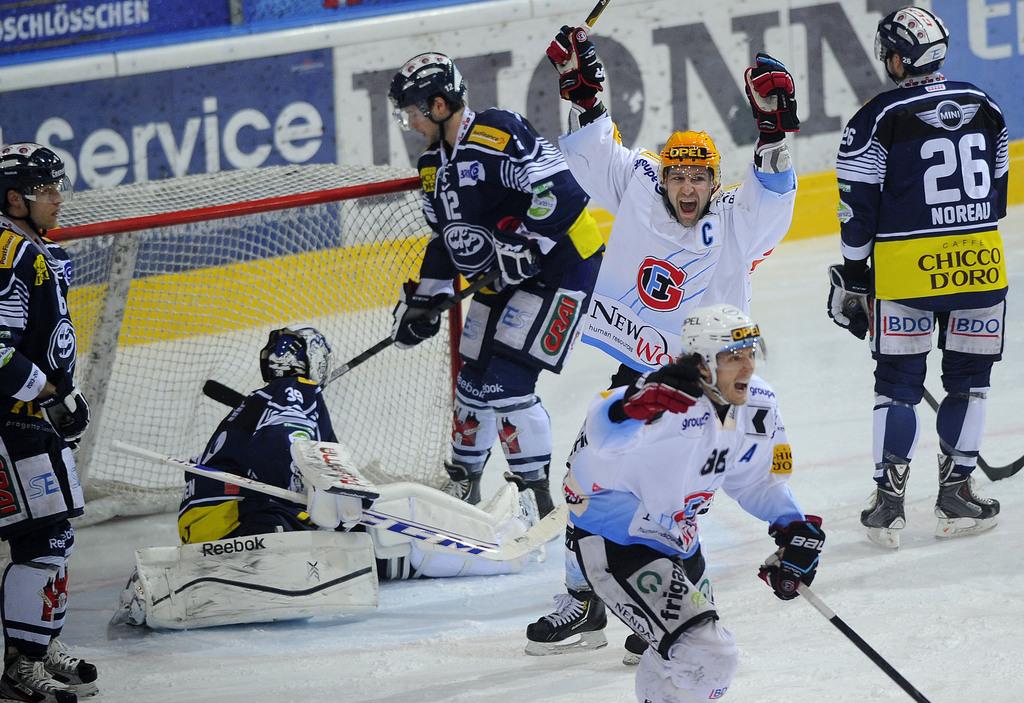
column 923, row 172
column 43, row 418
column 497, row 195
column 254, row 440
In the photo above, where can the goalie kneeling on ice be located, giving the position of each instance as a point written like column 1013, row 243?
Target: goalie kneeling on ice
column 258, row 578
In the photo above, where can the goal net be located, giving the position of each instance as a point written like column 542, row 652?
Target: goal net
column 179, row 281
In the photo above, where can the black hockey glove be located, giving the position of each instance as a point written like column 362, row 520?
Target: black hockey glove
column 67, row 409
column 412, row 323
column 518, row 257
column 772, row 95
column 580, row 73
column 796, row 560
column 848, row 302
column 673, row 388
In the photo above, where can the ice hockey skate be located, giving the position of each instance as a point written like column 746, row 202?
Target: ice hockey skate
column 577, row 623
column 462, row 484
column 28, row 680
column 959, row 509
column 884, row 516
column 73, row 672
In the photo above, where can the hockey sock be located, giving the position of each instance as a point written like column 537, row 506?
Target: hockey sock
column 960, row 423
column 895, row 431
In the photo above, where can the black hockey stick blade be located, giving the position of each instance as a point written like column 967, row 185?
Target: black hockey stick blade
column 993, row 473
column 215, row 390
column 485, row 280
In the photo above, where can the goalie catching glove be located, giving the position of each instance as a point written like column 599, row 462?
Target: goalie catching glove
column 848, row 302
column 796, row 561
column 66, row 410
column 580, row 73
column 673, row 388
column 413, row 322
column 772, row 95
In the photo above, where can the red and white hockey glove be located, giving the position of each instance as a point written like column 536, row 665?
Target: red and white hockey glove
column 673, row 388
column 580, row 72
column 772, row 95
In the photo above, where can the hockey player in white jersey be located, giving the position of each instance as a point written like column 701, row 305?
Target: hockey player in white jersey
column 637, row 488
column 679, row 241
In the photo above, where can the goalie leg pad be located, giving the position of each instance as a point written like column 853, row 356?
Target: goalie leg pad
column 262, row 578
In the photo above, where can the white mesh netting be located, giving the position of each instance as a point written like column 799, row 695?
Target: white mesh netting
column 159, row 311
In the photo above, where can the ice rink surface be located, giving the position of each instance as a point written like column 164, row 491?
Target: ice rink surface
column 949, row 615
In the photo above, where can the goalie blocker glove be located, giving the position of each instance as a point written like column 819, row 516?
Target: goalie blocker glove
column 412, row 321
column 67, row 410
column 772, row 96
column 848, row 302
column 673, row 388
column 796, row 561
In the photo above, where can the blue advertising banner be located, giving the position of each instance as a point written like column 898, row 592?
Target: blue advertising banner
column 331, row 10
column 986, row 47
column 263, row 112
column 53, row 23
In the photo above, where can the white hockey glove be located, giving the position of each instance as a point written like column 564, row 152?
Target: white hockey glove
column 67, row 410
column 518, row 256
column 848, row 303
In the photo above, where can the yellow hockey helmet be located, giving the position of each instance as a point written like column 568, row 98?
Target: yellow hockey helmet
column 692, row 149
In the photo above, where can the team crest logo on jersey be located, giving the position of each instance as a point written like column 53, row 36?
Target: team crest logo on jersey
column 508, row 434
column 658, row 283
column 471, row 246
column 464, row 431
column 695, row 504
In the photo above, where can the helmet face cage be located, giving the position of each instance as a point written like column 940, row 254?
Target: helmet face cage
column 34, row 171
column 296, row 351
column 420, row 80
column 691, row 149
column 711, row 330
column 918, row 36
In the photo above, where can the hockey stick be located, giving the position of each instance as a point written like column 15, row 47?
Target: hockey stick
column 596, row 12
column 539, row 534
column 215, row 390
column 994, row 473
column 863, row 646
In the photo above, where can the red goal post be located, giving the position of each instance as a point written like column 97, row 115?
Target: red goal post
column 178, row 281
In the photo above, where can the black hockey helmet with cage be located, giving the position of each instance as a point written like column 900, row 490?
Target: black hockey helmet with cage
column 918, row 36
column 424, row 77
column 298, row 350
column 26, row 166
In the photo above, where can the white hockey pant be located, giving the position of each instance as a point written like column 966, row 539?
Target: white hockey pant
column 701, row 666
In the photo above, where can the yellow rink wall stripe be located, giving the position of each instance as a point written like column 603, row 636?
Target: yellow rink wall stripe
column 255, row 293
column 817, row 198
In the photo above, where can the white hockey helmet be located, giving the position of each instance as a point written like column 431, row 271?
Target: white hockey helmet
column 714, row 329
column 296, row 350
